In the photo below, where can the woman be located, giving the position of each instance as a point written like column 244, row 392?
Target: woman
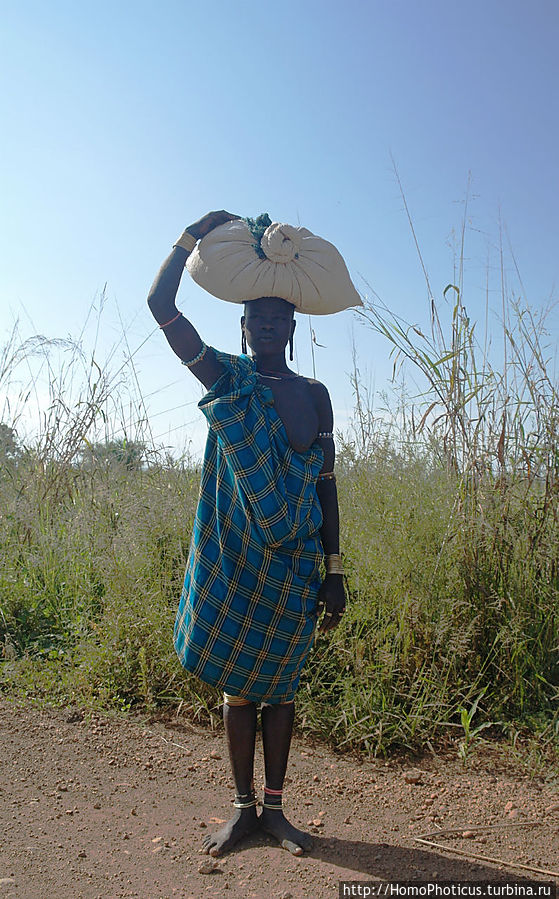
column 267, row 512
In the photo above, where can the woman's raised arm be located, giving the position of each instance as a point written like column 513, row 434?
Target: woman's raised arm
column 182, row 336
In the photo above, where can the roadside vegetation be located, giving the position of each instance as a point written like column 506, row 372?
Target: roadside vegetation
column 450, row 530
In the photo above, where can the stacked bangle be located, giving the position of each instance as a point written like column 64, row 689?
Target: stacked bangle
column 245, row 800
column 334, row 564
column 273, row 799
column 186, row 241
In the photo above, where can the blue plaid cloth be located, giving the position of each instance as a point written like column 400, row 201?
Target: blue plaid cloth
column 247, row 612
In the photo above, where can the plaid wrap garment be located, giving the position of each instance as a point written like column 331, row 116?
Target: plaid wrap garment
column 247, row 612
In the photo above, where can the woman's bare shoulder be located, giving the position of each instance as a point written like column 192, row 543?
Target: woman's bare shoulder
column 321, row 399
column 317, row 387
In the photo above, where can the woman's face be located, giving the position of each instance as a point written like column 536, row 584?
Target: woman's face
column 268, row 324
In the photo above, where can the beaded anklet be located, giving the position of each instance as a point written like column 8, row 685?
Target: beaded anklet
column 273, row 799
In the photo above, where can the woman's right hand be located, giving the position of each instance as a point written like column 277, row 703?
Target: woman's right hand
column 210, row 221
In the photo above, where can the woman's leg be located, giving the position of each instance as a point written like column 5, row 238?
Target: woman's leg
column 277, row 727
column 239, row 716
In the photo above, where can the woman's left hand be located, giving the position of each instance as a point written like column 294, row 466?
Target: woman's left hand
column 210, row 221
column 331, row 600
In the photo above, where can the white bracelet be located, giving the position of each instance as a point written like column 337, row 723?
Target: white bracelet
column 186, row 241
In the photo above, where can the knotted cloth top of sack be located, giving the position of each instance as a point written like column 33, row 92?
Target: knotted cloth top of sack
column 251, row 258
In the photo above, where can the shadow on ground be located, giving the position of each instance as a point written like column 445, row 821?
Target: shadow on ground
column 390, row 862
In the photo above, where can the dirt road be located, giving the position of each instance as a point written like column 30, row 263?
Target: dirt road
column 102, row 808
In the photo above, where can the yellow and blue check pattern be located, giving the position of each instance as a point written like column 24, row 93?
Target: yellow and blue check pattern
column 247, row 612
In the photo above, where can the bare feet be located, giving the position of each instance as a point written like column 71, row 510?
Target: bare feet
column 275, row 823
column 243, row 823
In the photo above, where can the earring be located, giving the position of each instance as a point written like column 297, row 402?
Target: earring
column 243, row 343
column 291, row 348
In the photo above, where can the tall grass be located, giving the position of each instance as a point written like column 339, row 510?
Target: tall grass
column 464, row 587
column 449, row 527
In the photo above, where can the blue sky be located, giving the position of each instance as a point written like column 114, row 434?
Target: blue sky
column 124, row 122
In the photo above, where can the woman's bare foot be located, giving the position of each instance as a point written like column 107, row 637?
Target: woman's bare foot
column 244, row 822
column 274, row 822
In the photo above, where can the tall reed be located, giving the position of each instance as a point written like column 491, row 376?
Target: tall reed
column 469, row 608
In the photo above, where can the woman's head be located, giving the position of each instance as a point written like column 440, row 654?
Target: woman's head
column 268, row 325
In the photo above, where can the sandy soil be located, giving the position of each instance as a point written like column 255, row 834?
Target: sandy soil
column 101, row 808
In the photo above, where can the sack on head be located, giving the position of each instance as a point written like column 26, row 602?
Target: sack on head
column 247, row 259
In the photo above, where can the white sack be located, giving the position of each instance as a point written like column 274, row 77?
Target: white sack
column 299, row 267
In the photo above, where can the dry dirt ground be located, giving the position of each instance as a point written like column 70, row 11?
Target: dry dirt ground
column 92, row 806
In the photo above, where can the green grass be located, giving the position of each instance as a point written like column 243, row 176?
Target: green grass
column 442, row 608
column 449, row 526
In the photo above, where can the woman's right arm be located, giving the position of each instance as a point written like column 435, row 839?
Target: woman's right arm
column 182, row 336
